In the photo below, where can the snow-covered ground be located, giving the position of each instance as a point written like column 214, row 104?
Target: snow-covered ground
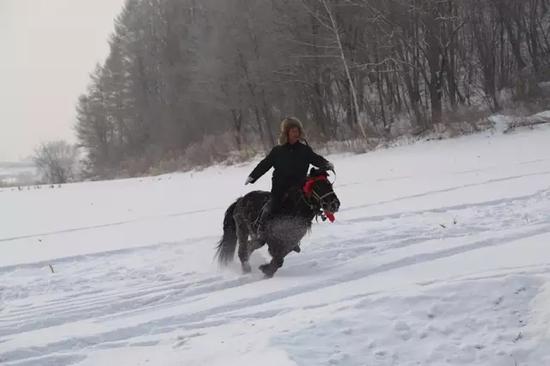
column 439, row 256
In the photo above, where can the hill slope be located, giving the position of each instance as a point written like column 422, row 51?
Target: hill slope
column 439, row 256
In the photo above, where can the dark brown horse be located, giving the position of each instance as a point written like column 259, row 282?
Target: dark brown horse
column 284, row 231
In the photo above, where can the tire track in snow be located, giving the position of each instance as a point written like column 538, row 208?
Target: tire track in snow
column 109, row 225
column 106, row 254
column 151, row 300
column 537, row 195
column 445, row 190
column 210, row 316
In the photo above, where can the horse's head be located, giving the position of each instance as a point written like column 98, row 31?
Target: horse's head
column 319, row 190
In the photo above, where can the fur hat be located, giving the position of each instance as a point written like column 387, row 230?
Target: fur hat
column 286, row 125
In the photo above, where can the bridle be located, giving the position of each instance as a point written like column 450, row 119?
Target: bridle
column 310, row 191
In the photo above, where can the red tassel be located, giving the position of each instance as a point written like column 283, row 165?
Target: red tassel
column 330, row 216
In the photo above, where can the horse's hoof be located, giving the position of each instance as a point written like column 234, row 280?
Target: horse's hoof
column 246, row 267
column 267, row 270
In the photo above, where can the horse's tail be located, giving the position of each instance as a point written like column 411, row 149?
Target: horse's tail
column 228, row 242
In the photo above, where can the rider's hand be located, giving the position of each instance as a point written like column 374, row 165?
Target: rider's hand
column 248, row 180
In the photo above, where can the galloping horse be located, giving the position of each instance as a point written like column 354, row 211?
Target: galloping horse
column 284, row 231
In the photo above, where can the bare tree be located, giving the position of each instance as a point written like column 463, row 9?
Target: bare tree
column 56, row 161
column 182, row 71
column 333, row 27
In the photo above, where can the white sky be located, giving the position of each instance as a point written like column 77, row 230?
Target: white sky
column 47, row 50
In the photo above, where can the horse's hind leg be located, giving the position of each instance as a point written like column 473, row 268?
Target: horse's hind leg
column 244, row 248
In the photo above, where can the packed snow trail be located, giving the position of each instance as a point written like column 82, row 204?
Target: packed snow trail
column 439, row 256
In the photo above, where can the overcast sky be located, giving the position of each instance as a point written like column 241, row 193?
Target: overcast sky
column 47, row 50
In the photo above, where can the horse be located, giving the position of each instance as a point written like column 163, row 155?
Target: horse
column 283, row 231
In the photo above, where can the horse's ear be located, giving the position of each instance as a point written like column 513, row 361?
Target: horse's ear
column 314, row 172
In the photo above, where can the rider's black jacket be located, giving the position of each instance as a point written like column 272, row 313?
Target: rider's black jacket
column 290, row 163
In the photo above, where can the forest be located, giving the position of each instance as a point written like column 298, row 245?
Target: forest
column 195, row 82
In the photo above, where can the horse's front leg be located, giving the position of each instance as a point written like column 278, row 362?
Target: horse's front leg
column 270, row 268
column 277, row 260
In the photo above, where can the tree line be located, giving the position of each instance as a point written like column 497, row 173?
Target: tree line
column 196, row 80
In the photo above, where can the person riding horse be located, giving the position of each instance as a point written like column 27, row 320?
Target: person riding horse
column 291, row 160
